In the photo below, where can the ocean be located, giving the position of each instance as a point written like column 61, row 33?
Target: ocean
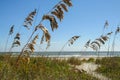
column 73, row 54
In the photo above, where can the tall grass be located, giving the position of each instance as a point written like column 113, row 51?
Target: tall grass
column 97, row 43
column 69, row 42
column 115, row 34
column 56, row 13
column 41, row 68
column 110, row 67
column 53, row 69
column 10, row 33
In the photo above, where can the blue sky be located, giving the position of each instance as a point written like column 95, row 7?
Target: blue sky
column 86, row 18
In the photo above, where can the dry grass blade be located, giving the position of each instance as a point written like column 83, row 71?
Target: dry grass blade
column 94, row 47
column 64, row 7
column 16, row 42
column 10, row 33
column 26, row 56
column 17, row 36
column 28, row 49
column 48, row 45
column 31, row 47
column 73, row 39
column 117, row 30
column 47, row 39
column 45, row 31
column 97, row 43
column 106, row 24
column 68, row 2
column 26, row 53
column 46, row 34
column 87, row 43
column 52, row 20
column 105, row 38
column 11, row 30
column 58, row 14
column 54, row 24
column 60, row 10
column 34, row 40
column 109, row 33
column 42, row 39
column 28, row 21
column 102, row 41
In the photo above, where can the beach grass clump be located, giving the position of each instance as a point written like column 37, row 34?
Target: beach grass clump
column 74, row 61
column 1, row 57
column 110, row 67
column 91, row 60
column 40, row 68
column 84, row 60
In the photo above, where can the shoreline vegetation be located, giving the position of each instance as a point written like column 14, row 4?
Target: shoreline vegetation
column 26, row 66
column 72, row 68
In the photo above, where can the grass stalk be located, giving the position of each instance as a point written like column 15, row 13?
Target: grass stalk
column 6, row 43
column 113, row 45
column 63, row 47
column 25, row 47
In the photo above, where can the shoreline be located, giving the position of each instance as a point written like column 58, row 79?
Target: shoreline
column 78, row 57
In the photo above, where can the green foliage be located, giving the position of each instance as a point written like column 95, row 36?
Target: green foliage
column 74, row 61
column 1, row 57
column 84, row 60
column 40, row 69
column 110, row 67
column 91, row 60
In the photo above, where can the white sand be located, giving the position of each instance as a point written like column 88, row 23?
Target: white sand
column 79, row 58
column 90, row 69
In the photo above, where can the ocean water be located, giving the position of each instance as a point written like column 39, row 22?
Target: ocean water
column 73, row 54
